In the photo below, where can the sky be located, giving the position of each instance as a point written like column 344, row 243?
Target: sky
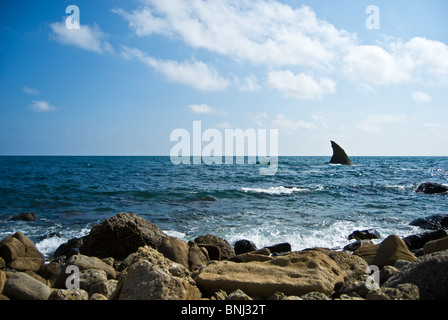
column 373, row 80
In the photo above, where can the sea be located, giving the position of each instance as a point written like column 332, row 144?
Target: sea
column 307, row 203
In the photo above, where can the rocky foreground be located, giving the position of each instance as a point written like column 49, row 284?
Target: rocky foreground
column 128, row 258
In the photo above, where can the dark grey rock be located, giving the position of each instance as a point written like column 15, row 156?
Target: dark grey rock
column 121, row 235
column 434, row 222
column 364, row 235
column 417, row 241
column 243, row 246
column 339, row 155
column 27, row 216
column 429, row 273
column 431, row 188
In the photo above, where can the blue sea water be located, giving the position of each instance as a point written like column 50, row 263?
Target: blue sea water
column 307, row 202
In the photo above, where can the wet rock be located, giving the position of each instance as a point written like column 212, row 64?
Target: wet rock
column 339, row 155
column 431, row 188
column 357, row 244
column 434, row 222
column 364, row 235
column 27, row 216
column 280, row 248
column 68, row 248
column 243, row 246
column 417, row 241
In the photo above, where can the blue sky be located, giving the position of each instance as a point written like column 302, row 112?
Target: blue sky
column 138, row 69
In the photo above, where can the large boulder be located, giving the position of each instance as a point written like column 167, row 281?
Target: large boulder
column 429, row 273
column 294, row 274
column 20, row 253
column 83, row 263
column 22, row 286
column 153, row 256
column 147, row 281
column 120, row 236
column 431, row 188
column 387, row 252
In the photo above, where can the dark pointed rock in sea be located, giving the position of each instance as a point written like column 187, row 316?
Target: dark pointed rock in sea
column 339, row 155
column 431, row 188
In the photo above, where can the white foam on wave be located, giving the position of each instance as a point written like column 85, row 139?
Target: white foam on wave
column 177, row 234
column 49, row 245
column 333, row 236
column 274, row 190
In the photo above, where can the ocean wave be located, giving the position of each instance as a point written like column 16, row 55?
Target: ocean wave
column 274, row 190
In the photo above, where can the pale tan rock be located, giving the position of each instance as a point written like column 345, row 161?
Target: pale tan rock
column 294, row 274
column 146, row 281
column 436, row 245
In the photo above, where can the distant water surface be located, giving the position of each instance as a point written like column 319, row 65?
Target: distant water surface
column 307, row 203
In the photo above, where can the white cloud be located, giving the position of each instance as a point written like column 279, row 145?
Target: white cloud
column 41, row 106
column 260, row 32
column 398, row 62
column 250, row 84
column 194, row 74
column 259, row 118
column 29, row 90
column 283, row 40
column 373, row 123
column 300, row 85
column 224, row 125
column 86, row 37
column 374, row 65
column 282, row 122
column 430, row 57
column 201, row 109
column 421, row 97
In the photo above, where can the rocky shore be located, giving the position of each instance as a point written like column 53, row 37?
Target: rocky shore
column 128, row 258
